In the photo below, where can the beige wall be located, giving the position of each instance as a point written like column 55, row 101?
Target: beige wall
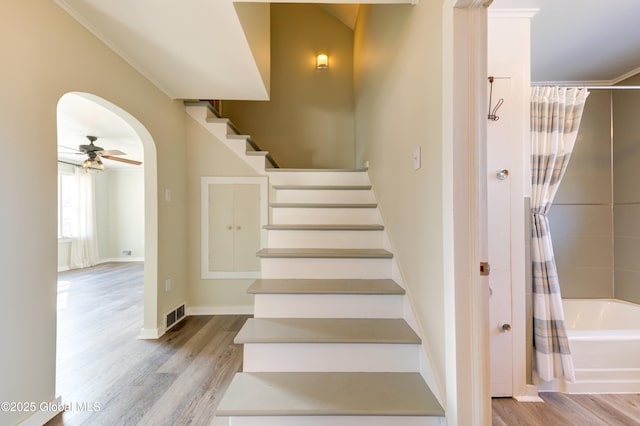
column 207, row 156
column 309, row 121
column 45, row 55
column 398, row 86
column 626, row 178
column 120, row 213
column 581, row 216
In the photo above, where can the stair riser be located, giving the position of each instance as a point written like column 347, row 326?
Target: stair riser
column 325, row 239
column 256, row 162
column 325, row 268
column 324, row 216
column 324, row 196
column 332, row 420
column 319, row 178
column 328, row 306
column 323, row 357
column 239, row 146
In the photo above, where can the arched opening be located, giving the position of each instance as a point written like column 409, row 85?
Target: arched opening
column 80, row 115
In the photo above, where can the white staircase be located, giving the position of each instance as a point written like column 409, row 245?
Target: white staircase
column 242, row 145
column 328, row 344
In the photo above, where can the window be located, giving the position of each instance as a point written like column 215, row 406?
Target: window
column 67, row 205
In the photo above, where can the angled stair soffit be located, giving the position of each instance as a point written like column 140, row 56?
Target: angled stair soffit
column 190, row 50
column 199, row 49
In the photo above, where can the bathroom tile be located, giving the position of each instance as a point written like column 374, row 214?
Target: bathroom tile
column 627, row 253
column 571, row 220
column 627, row 286
column 576, row 282
column 583, row 251
column 626, row 220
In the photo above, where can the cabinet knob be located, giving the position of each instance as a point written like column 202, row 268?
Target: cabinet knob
column 239, row 228
column 229, row 227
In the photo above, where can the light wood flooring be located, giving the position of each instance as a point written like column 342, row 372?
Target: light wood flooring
column 569, row 410
column 180, row 378
column 175, row 380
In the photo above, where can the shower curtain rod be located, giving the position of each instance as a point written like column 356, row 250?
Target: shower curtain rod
column 591, row 87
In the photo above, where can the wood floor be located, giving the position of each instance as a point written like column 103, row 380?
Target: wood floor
column 180, row 378
column 569, row 410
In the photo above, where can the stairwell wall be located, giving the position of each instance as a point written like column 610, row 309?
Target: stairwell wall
column 46, row 54
column 208, row 156
column 398, row 86
column 309, row 120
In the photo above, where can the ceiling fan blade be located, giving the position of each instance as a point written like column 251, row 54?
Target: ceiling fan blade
column 111, row 152
column 122, row 160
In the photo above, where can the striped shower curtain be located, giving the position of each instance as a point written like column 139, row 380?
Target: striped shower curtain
column 555, row 117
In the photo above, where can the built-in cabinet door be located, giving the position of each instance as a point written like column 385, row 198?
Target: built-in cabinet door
column 234, row 227
column 246, row 205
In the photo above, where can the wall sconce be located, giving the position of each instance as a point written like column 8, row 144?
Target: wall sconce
column 322, row 62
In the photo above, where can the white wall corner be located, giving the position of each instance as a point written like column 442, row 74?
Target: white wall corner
column 151, row 333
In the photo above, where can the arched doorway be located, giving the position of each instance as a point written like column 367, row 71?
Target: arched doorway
column 90, row 115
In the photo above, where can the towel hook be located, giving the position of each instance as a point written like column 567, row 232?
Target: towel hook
column 493, row 116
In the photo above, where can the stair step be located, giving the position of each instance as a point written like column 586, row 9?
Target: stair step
column 330, row 330
column 328, row 394
column 324, row 187
column 317, row 177
column 324, row 205
column 290, row 170
column 325, row 268
column 336, row 305
column 324, row 194
column 332, row 236
column 325, row 213
column 258, row 153
column 325, row 227
column 313, row 286
column 328, row 253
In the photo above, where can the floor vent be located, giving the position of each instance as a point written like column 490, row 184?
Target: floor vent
column 174, row 316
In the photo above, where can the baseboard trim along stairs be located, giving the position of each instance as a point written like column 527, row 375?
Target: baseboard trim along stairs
column 328, row 344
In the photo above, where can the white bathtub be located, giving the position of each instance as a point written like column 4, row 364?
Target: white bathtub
column 604, row 337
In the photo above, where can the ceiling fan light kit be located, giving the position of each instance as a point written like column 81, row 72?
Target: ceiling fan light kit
column 96, row 153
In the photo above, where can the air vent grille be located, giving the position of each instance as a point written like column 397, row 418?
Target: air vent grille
column 175, row 315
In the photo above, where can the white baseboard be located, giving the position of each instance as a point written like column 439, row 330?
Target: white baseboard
column 41, row 417
column 151, row 333
column 121, row 259
column 107, row 260
column 220, row 310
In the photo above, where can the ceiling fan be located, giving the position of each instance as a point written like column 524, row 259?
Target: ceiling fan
column 96, row 153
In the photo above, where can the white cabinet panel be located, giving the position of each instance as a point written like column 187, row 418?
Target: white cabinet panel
column 234, row 211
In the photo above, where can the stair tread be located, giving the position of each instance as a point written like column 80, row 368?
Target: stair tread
column 324, row 227
column 327, row 286
column 324, row 187
column 327, row 253
column 325, row 205
column 326, row 330
column 341, row 394
column 289, row 170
